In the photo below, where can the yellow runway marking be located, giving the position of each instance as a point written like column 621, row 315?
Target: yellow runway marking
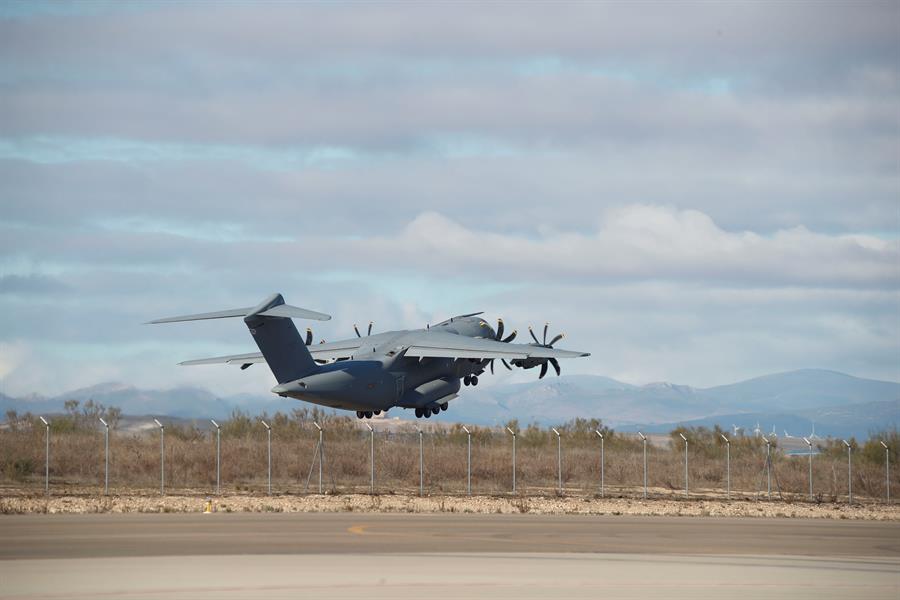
column 357, row 529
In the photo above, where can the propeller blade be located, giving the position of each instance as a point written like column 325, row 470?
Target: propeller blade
column 499, row 329
column 308, row 336
column 546, row 325
column 531, row 331
column 370, row 329
column 543, row 370
column 505, row 364
column 492, row 366
column 356, row 329
column 555, row 364
column 510, row 337
column 556, row 339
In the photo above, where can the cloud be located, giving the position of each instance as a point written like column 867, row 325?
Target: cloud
column 634, row 243
column 30, row 284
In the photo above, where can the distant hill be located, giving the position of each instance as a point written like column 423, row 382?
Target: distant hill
column 839, row 404
column 802, row 390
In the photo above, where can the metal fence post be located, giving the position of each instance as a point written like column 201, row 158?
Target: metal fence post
column 46, row 455
column 685, row 464
column 371, row 458
column 768, row 468
column 558, row 458
column 809, row 454
column 162, row 457
column 321, row 452
column 887, row 472
column 421, row 464
column 601, row 462
column 727, row 466
column 513, row 433
column 468, row 462
column 643, row 437
column 218, row 453
column 269, row 452
column 849, row 472
column 106, row 459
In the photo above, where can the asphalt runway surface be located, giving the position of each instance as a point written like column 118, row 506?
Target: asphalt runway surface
column 353, row 555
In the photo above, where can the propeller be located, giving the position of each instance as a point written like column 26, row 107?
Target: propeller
column 368, row 333
column 498, row 336
column 309, row 341
column 543, row 343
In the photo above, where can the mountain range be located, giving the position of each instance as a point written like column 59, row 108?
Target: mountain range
column 838, row 404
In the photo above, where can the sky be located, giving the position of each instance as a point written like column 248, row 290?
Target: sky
column 693, row 192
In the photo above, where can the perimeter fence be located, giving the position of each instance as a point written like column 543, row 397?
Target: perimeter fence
column 584, row 459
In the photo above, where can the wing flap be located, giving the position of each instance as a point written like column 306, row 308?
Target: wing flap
column 434, row 344
column 424, row 352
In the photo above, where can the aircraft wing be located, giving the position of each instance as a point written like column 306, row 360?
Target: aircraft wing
column 438, row 344
column 328, row 351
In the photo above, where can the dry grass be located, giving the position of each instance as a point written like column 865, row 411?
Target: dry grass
column 76, row 463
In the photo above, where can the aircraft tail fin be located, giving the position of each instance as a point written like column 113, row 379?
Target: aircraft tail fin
column 279, row 341
column 276, row 335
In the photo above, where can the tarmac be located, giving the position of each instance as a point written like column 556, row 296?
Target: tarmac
column 353, row 555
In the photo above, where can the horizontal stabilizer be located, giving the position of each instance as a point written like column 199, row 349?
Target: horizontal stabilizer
column 222, row 314
column 286, row 310
column 282, row 310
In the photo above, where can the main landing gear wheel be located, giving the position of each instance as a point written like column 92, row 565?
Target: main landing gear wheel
column 473, row 380
column 467, row 380
column 360, row 414
column 444, row 406
column 427, row 413
column 418, row 413
column 377, row 412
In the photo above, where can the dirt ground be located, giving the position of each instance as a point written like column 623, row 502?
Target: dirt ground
column 405, row 503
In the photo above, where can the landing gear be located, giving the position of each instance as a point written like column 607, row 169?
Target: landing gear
column 365, row 414
column 473, row 380
column 432, row 409
column 467, row 380
column 377, row 412
column 360, row 414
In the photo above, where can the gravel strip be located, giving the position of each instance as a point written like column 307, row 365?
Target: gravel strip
column 401, row 503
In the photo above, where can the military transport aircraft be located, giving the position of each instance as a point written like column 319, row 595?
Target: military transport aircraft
column 419, row 369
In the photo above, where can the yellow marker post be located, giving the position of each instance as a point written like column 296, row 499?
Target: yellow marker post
column 208, row 508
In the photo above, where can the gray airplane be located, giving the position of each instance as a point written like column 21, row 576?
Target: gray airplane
column 419, row 369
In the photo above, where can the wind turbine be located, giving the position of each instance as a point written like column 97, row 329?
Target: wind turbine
column 735, row 430
column 757, row 430
column 813, row 435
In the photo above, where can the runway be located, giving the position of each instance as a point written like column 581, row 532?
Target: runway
column 442, row 556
